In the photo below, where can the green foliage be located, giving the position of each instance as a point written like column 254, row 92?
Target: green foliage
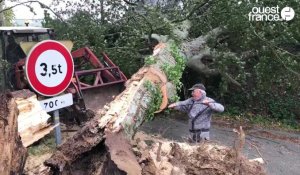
column 174, row 99
column 46, row 144
column 282, row 108
column 155, row 102
column 248, row 119
column 174, row 73
column 150, row 60
column 9, row 16
column 85, row 31
column 120, row 31
column 269, row 77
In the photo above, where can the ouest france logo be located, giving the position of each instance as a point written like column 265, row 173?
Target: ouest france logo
column 271, row 14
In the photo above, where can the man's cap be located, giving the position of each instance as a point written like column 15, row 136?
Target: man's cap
column 198, row 86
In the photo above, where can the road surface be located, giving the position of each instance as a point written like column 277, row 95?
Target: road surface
column 280, row 150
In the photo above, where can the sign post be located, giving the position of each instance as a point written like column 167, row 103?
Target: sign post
column 49, row 69
column 57, row 128
column 53, row 104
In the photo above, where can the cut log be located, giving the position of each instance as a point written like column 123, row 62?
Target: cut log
column 12, row 152
column 32, row 119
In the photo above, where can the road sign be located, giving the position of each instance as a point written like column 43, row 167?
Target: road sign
column 49, row 68
column 58, row 102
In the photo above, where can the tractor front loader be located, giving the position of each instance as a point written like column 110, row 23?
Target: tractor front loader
column 95, row 81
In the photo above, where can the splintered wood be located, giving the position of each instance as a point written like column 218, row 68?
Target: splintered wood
column 12, row 153
column 32, row 119
column 120, row 152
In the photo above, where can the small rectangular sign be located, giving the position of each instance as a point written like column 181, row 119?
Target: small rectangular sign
column 58, row 102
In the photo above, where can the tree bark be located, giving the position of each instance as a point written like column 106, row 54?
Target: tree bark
column 12, row 152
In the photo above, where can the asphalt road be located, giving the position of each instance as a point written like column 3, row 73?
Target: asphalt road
column 281, row 155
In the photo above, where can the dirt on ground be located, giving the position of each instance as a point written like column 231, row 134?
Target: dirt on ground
column 34, row 164
column 157, row 156
column 165, row 157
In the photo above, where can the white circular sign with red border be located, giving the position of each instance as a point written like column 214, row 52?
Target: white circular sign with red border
column 49, row 68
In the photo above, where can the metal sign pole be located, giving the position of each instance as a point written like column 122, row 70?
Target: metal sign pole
column 57, row 128
column 53, row 105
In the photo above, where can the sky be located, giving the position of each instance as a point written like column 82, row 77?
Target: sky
column 22, row 12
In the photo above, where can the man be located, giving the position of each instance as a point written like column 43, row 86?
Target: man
column 199, row 109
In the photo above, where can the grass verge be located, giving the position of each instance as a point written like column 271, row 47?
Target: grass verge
column 45, row 145
column 259, row 121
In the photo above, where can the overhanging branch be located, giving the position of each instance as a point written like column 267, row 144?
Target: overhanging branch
column 41, row 4
column 197, row 7
column 231, row 79
column 130, row 3
column 275, row 53
column 149, row 25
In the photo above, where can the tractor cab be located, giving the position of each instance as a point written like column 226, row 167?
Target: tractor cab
column 11, row 39
column 16, row 42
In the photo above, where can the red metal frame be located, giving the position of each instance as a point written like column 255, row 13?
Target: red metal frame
column 112, row 65
column 98, row 82
column 86, row 53
column 103, row 74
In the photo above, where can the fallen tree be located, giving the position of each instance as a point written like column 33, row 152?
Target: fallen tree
column 148, row 91
column 122, row 116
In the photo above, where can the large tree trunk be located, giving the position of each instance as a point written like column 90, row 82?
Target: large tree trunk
column 120, row 118
column 12, row 152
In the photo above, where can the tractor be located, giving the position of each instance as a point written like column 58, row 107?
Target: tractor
column 91, row 74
